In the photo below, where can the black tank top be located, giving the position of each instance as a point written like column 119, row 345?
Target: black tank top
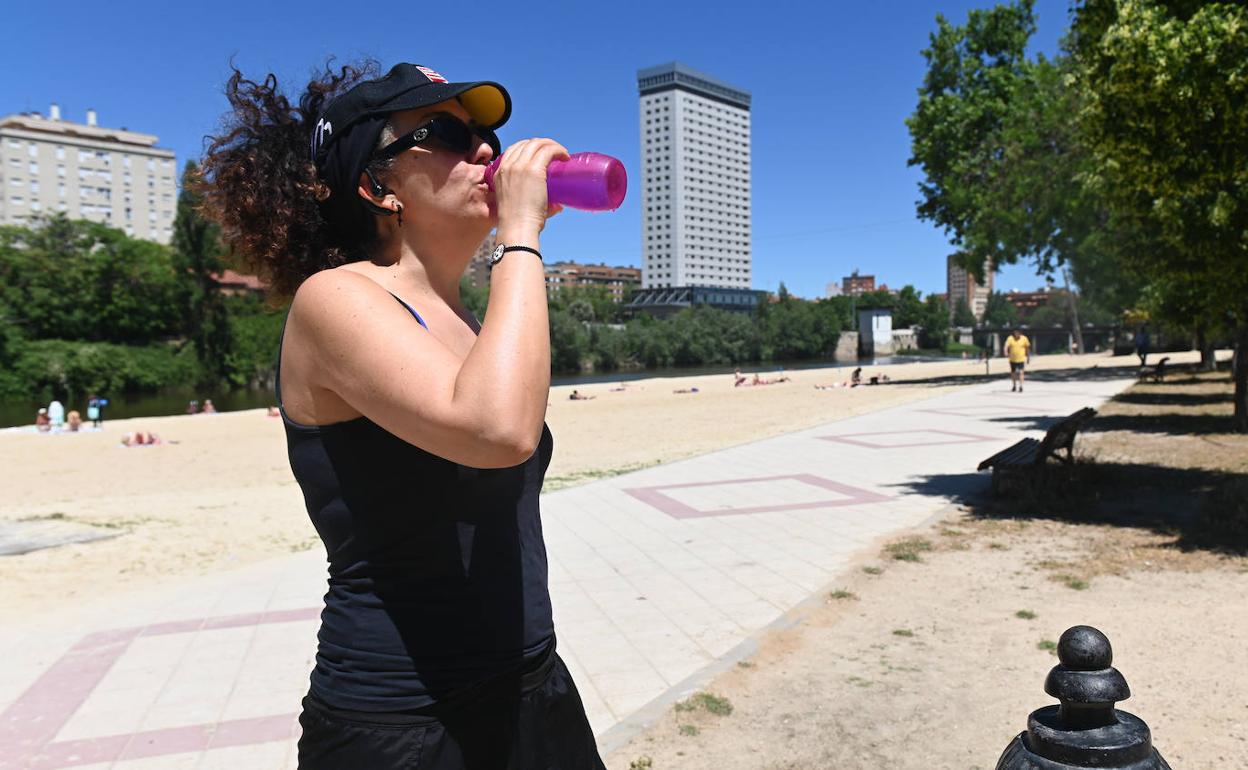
column 437, row 571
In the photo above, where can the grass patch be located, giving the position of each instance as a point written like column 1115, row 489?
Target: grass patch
column 1048, row 645
column 715, row 704
column 841, row 594
column 689, row 730
column 641, row 763
column 998, row 546
column 744, row 664
column 903, row 632
column 1073, row 582
column 873, row 570
column 908, row 549
column 551, row 483
column 859, row 681
column 1025, row 615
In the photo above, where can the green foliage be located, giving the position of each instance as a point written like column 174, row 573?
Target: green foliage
column 73, row 369
column 81, row 280
column 198, row 264
column 1000, row 313
column 473, row 298
column 907, row 308
column 962, row 315
column 255, row 332
column 1166, row 117
column 935, row 323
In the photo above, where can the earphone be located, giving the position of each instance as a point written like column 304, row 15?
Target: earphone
column 378, row 188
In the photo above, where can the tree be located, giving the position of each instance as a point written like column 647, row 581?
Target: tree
column 1004, row 163
column 1167, row 122
column 935, row 323
column 962, row 315
column 1000, row 313
column 908, row 308
column 198, row 263
column 79, row 280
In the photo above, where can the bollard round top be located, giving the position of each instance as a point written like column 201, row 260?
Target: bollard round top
column 1083, row 648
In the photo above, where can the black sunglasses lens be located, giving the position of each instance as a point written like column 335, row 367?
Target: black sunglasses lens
column 452, row 133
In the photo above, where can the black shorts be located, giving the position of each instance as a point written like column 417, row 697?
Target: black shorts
column 1017, row 366
column 529, row 720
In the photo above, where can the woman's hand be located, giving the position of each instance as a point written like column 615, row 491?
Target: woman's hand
column 520, row 186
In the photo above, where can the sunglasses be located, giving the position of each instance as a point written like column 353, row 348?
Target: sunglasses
column 448, row 131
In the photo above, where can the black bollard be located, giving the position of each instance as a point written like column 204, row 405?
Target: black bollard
column 1085, row 730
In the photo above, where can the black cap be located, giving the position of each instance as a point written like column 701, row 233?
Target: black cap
column 345, row 137
column 406, row 87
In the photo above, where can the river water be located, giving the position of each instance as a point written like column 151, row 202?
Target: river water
column 15, row 412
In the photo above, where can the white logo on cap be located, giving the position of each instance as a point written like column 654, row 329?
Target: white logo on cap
column 433, row 76
column 323, row 128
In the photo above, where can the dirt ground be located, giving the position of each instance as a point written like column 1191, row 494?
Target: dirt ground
column 931, row 653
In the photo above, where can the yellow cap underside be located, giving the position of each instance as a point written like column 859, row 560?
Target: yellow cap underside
column 485, row 104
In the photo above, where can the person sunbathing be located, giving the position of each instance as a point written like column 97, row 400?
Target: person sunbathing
column 739, row 379
column 141, row 438
column 578, row 396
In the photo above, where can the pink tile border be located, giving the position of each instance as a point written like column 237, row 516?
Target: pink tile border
column 958, row 438
column 978, row 410
column 847, row 495
column 29, row 725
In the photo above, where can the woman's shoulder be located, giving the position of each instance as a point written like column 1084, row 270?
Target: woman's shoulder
column 336, row 294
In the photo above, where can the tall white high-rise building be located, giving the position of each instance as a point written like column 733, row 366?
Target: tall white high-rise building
column 695, row 160
column 85, row 171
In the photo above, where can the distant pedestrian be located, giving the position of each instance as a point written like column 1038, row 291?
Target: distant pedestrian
column 1142, row 343
column 42, row 423
column 95, row 410
column 208, row 407
column 1018, row 350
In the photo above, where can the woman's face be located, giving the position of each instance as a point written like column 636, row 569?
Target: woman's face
column 436, row 186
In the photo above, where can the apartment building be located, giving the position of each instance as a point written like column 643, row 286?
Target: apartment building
column 113, row 176
column 695, row 158
column 962, row 285
column 619, row 281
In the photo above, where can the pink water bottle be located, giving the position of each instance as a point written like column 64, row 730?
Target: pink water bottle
column 589, row 181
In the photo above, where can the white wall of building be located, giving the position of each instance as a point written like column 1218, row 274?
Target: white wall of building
column 695, row 154
column 115, row 177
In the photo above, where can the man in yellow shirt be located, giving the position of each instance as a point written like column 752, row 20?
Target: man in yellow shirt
column 1018, row 349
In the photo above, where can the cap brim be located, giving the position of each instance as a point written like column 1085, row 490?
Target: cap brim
column 487, row 103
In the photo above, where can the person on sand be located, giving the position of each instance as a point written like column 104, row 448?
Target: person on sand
column 1018, row 350
column 855, row 379
column 42, row 423
column 738, row 379
column 73, row 421
column 578, row 396
column 685, row 390
column 416, row 432
column 141, row 438
column 192, row 407
column 95, row 410
column 56, row 414
column 273, row 412
column 209, row 408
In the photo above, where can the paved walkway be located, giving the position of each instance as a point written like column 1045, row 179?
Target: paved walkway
column 659, row 579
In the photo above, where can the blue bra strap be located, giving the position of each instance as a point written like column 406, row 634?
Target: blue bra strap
column 411, row 310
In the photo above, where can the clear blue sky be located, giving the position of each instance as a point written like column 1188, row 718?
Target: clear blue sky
column 831, row 84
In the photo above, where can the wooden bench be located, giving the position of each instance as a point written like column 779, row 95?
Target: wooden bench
column 1030, row 454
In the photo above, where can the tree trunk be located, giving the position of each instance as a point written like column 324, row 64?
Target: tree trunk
column 1240, row 374
column 1208, row 360
column 1074, row 314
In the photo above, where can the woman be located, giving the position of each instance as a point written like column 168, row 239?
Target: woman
column 416, row 434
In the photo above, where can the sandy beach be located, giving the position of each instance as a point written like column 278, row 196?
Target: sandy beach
column 222, row 496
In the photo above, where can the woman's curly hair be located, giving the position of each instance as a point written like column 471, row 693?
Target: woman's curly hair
column 260, row 184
